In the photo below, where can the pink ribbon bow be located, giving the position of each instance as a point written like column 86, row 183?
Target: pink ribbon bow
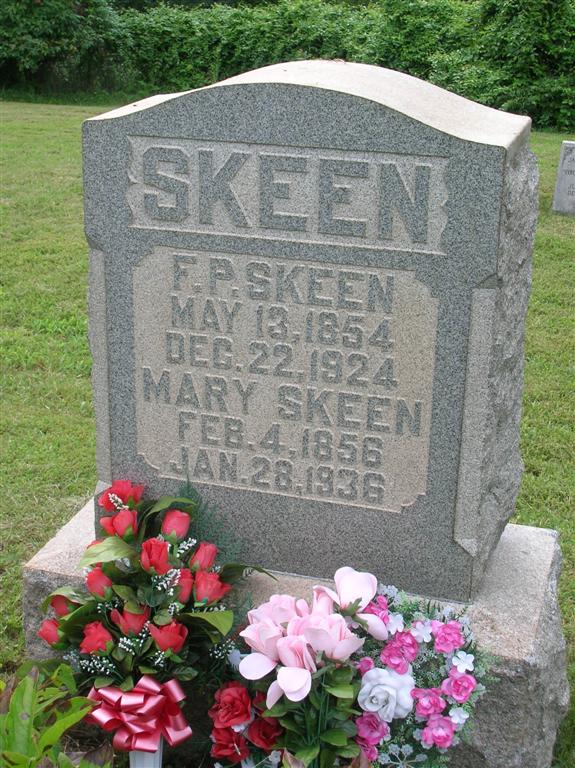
column 141, row 716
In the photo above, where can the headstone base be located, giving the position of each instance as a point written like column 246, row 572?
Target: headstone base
column 515, row 617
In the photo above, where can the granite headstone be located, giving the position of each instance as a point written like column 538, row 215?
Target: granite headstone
column 307, row 297
column 564, row 197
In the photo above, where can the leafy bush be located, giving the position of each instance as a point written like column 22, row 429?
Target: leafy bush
column 36, row 710
column 61, row 43
column 512, row 54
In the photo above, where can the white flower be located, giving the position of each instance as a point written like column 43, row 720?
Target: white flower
column 275, row 757
column 248, row 763
column 421, row 630
column 387, row 693
column 234, row 658
column 458, row 715
column 463, row 661
column 395, row 623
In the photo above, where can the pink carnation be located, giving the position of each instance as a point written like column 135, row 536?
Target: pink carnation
column 371, row 729
column 369, row 751
column 459, row 685
column 379, row 608
column 364, row 665
column 408, row 644
column 429, row 702
column 438, row 732
column 448, row 637
column 400, row 652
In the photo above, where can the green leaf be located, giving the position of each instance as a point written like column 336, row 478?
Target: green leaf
column 127, row 684
column 342, row 675
column 79, row 618
column 161, row 618
column 220, row 620
column 341, row 691
column 126, row 593
column 19, row 721
column 102, row 682
column 171, row 501
column 112, row 548
column 77, row 710
column 185, row 673
column 232, row 572
column 147, row 670
column 68, row 592
column 278, row 710
column 290, row 725
column 307, row 754
column 350, row 751
column 327, row 758
column 335, row 736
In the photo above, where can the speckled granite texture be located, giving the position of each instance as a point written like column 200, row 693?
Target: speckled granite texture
column 282, row 195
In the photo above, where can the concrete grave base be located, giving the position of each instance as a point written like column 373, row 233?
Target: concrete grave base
column 515, row 617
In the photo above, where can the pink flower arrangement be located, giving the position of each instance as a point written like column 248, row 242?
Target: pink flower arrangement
column 354, row 649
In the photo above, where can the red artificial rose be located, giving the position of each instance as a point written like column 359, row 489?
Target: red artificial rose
column 155, row 555
column 130, row 622
column 185, row 584
column 264, row 732
column 176, row 522
column 208, row 587
column 124, row 490
column 232, row 705
column 61, row 605
column 98, row 583
column 96, row 638
column 169, row 637
column 125, row 523
column 204, row 557
column 49, row 631
column 229, row 745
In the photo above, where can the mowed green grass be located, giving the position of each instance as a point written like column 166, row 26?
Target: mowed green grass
column 47, row 416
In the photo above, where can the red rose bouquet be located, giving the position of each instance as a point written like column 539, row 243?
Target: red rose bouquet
column 151, row 615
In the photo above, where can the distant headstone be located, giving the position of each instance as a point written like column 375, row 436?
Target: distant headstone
column 564, row 198
column 307, row 297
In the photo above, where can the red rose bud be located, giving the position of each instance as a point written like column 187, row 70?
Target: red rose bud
column 124, row 490
column 264, row 732
column 96, row 638
column 204, row 557
column 169, row 637
column 61, row 605
column 98, row 583
column 185, row 584
column 49, row 631
column 176, row 522
column 232, row 706
column 155, row 556
column 229, row 745
column 130, row 622
column 208, row 587
column 124, row 524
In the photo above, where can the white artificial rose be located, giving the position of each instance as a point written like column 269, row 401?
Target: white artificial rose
column 387, row 693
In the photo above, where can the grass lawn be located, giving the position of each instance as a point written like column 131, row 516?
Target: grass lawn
column 47, row 417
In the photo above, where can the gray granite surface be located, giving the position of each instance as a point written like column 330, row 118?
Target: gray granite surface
column 564, row 197
column 308, row 290
column 515, row 617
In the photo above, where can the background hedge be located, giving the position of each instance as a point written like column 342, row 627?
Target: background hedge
column 517, row 55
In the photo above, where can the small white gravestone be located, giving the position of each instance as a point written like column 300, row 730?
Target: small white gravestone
column 564, row 198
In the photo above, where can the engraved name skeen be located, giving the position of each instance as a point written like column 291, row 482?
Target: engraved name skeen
column 386, row 200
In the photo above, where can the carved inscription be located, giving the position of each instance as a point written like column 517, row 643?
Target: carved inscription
column 301, row 379
column 360, row 198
